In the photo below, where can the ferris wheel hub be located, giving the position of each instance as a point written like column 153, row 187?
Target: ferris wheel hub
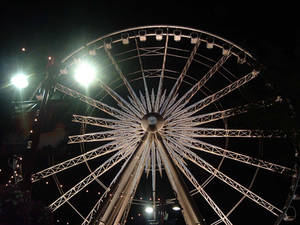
column 152, row 122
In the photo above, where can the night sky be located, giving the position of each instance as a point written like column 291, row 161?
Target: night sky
column 270, row 32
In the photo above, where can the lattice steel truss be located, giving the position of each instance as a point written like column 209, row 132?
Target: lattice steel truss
column 160, row 120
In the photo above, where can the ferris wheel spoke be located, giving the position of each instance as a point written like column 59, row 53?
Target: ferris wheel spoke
column 103, row 122
column 121, row 101
column 88, row 219
column 212, row 98
column 171, row 102
column 187, row 96
column 144, row 79
column 229, row 181
column 143, row 100
column 107, row 165
column 103, row 136
column 61, row 192
column 162, row 74
column 227, row 113
column 203, row 146
column 162, row 99
column 238, row 133
column 95, row 103
column 239, row 202
column 152, row 99
column 125, row 81
column 176, row 87
column 136, row 107
column 92, row 154
column 195, row 183
column 210, row 117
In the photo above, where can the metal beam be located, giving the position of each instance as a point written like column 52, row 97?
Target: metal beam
column 176, row 87
column 107, row 165
column 121, row 101
column 197, row 120
column 161, row 79
column 199, row 188
column 96, row 121
column 196, row 107
column 103, row 136
column 187, row 96
column 206, row 147
column 109, row 208
column 125, row 81
column 129, row 190
column 95, row 103
column 92, row 214
column 92, row 154
column 229, row 181
column 144, row 79
column 190, row 213
column 233, row 133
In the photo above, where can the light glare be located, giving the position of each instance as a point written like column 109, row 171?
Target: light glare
column 20, row 81
column 176, row 208
column 84, row 74
column 149, row 210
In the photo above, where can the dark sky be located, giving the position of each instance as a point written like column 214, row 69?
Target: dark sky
column 270, row 32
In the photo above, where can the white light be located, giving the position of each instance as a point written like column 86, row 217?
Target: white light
column 19, row 81
column 209, row 43
column 142, row 35
column 84, row 74
column 177, row 35
column 194, row 37
column 159, row 34
column 125, row 38
column 176, row 208
column 149, row 209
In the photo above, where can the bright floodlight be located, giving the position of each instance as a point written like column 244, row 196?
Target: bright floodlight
column 149, row 209
column 20, row 81
column 85, row 74
column 176, row 208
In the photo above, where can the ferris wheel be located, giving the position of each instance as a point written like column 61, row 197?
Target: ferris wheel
column 178, row 114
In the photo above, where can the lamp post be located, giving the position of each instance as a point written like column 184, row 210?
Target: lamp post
column 84, row 74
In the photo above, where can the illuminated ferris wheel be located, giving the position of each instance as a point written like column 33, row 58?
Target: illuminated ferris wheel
column 183, row 110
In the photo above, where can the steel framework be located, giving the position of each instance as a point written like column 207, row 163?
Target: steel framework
column 160, row 118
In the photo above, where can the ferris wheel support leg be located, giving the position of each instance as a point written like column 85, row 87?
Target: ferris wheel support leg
column 189, row 210
column 115, row 202
column 129, row 190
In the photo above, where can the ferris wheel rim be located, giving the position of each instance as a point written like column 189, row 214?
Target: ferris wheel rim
column 144, row 27
column 156, row 26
